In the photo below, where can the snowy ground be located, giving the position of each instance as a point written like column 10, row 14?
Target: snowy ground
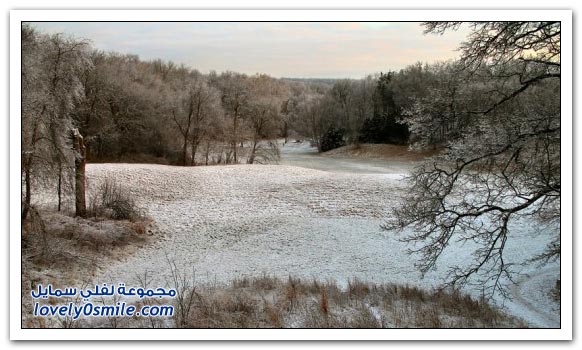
column 303, row 155
column 310, row 217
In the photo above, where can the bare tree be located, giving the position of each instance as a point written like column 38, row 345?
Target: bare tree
column 190, row 111
column 263, row 117
column 504, row 165
column 207, row 109
column 310, row 115
column 235, row 96
column 80, row 162
column 51, row 67
column 525, row 52
column 437, row 116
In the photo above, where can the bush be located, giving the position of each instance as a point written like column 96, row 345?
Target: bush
column 115, row 202
column 333, row 138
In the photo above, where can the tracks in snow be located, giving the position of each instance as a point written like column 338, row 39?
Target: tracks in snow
column 530, row 294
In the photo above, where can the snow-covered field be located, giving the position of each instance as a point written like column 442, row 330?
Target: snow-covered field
column 310, row 217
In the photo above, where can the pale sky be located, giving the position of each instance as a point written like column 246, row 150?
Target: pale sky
column 280, row 49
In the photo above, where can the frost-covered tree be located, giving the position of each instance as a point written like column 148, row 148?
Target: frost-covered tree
column 208, row 113
column 51, row 69
column 123, row 112
column 305, row 113
column 435, row 117
column 196, row 104
column 263, row 117
column 501, row 163
column 234, row 88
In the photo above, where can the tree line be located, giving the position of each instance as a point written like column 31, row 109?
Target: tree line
column 131, row 110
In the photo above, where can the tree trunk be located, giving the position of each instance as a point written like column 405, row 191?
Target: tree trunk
column 253, row 152
column 235, row 131
column 193, row 148
column 80, row 160
column 27, row 166
column 207, row 151
column 60, row 186
column 185, row 153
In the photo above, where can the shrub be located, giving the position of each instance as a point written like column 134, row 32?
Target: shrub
column 115, row 202
column 333, row 138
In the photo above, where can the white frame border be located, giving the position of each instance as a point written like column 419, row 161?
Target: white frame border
column 565, row 333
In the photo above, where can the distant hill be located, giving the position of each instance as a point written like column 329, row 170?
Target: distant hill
column 326, row 81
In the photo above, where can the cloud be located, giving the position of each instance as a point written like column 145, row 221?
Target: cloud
column 298, row 49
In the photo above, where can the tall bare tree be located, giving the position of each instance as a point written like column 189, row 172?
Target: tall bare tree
column 51, row 69
column 235, row 96
column 263, row 117
column 190, row 110
column 504, row 165
column 207, row 109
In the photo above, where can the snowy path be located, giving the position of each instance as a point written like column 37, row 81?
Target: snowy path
column 222, row 222
column 530, row 293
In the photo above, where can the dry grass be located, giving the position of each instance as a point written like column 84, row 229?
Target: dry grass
column 62, row 250
column 268, row 302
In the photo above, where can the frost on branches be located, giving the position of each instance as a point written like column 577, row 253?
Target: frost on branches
column 496, row 115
